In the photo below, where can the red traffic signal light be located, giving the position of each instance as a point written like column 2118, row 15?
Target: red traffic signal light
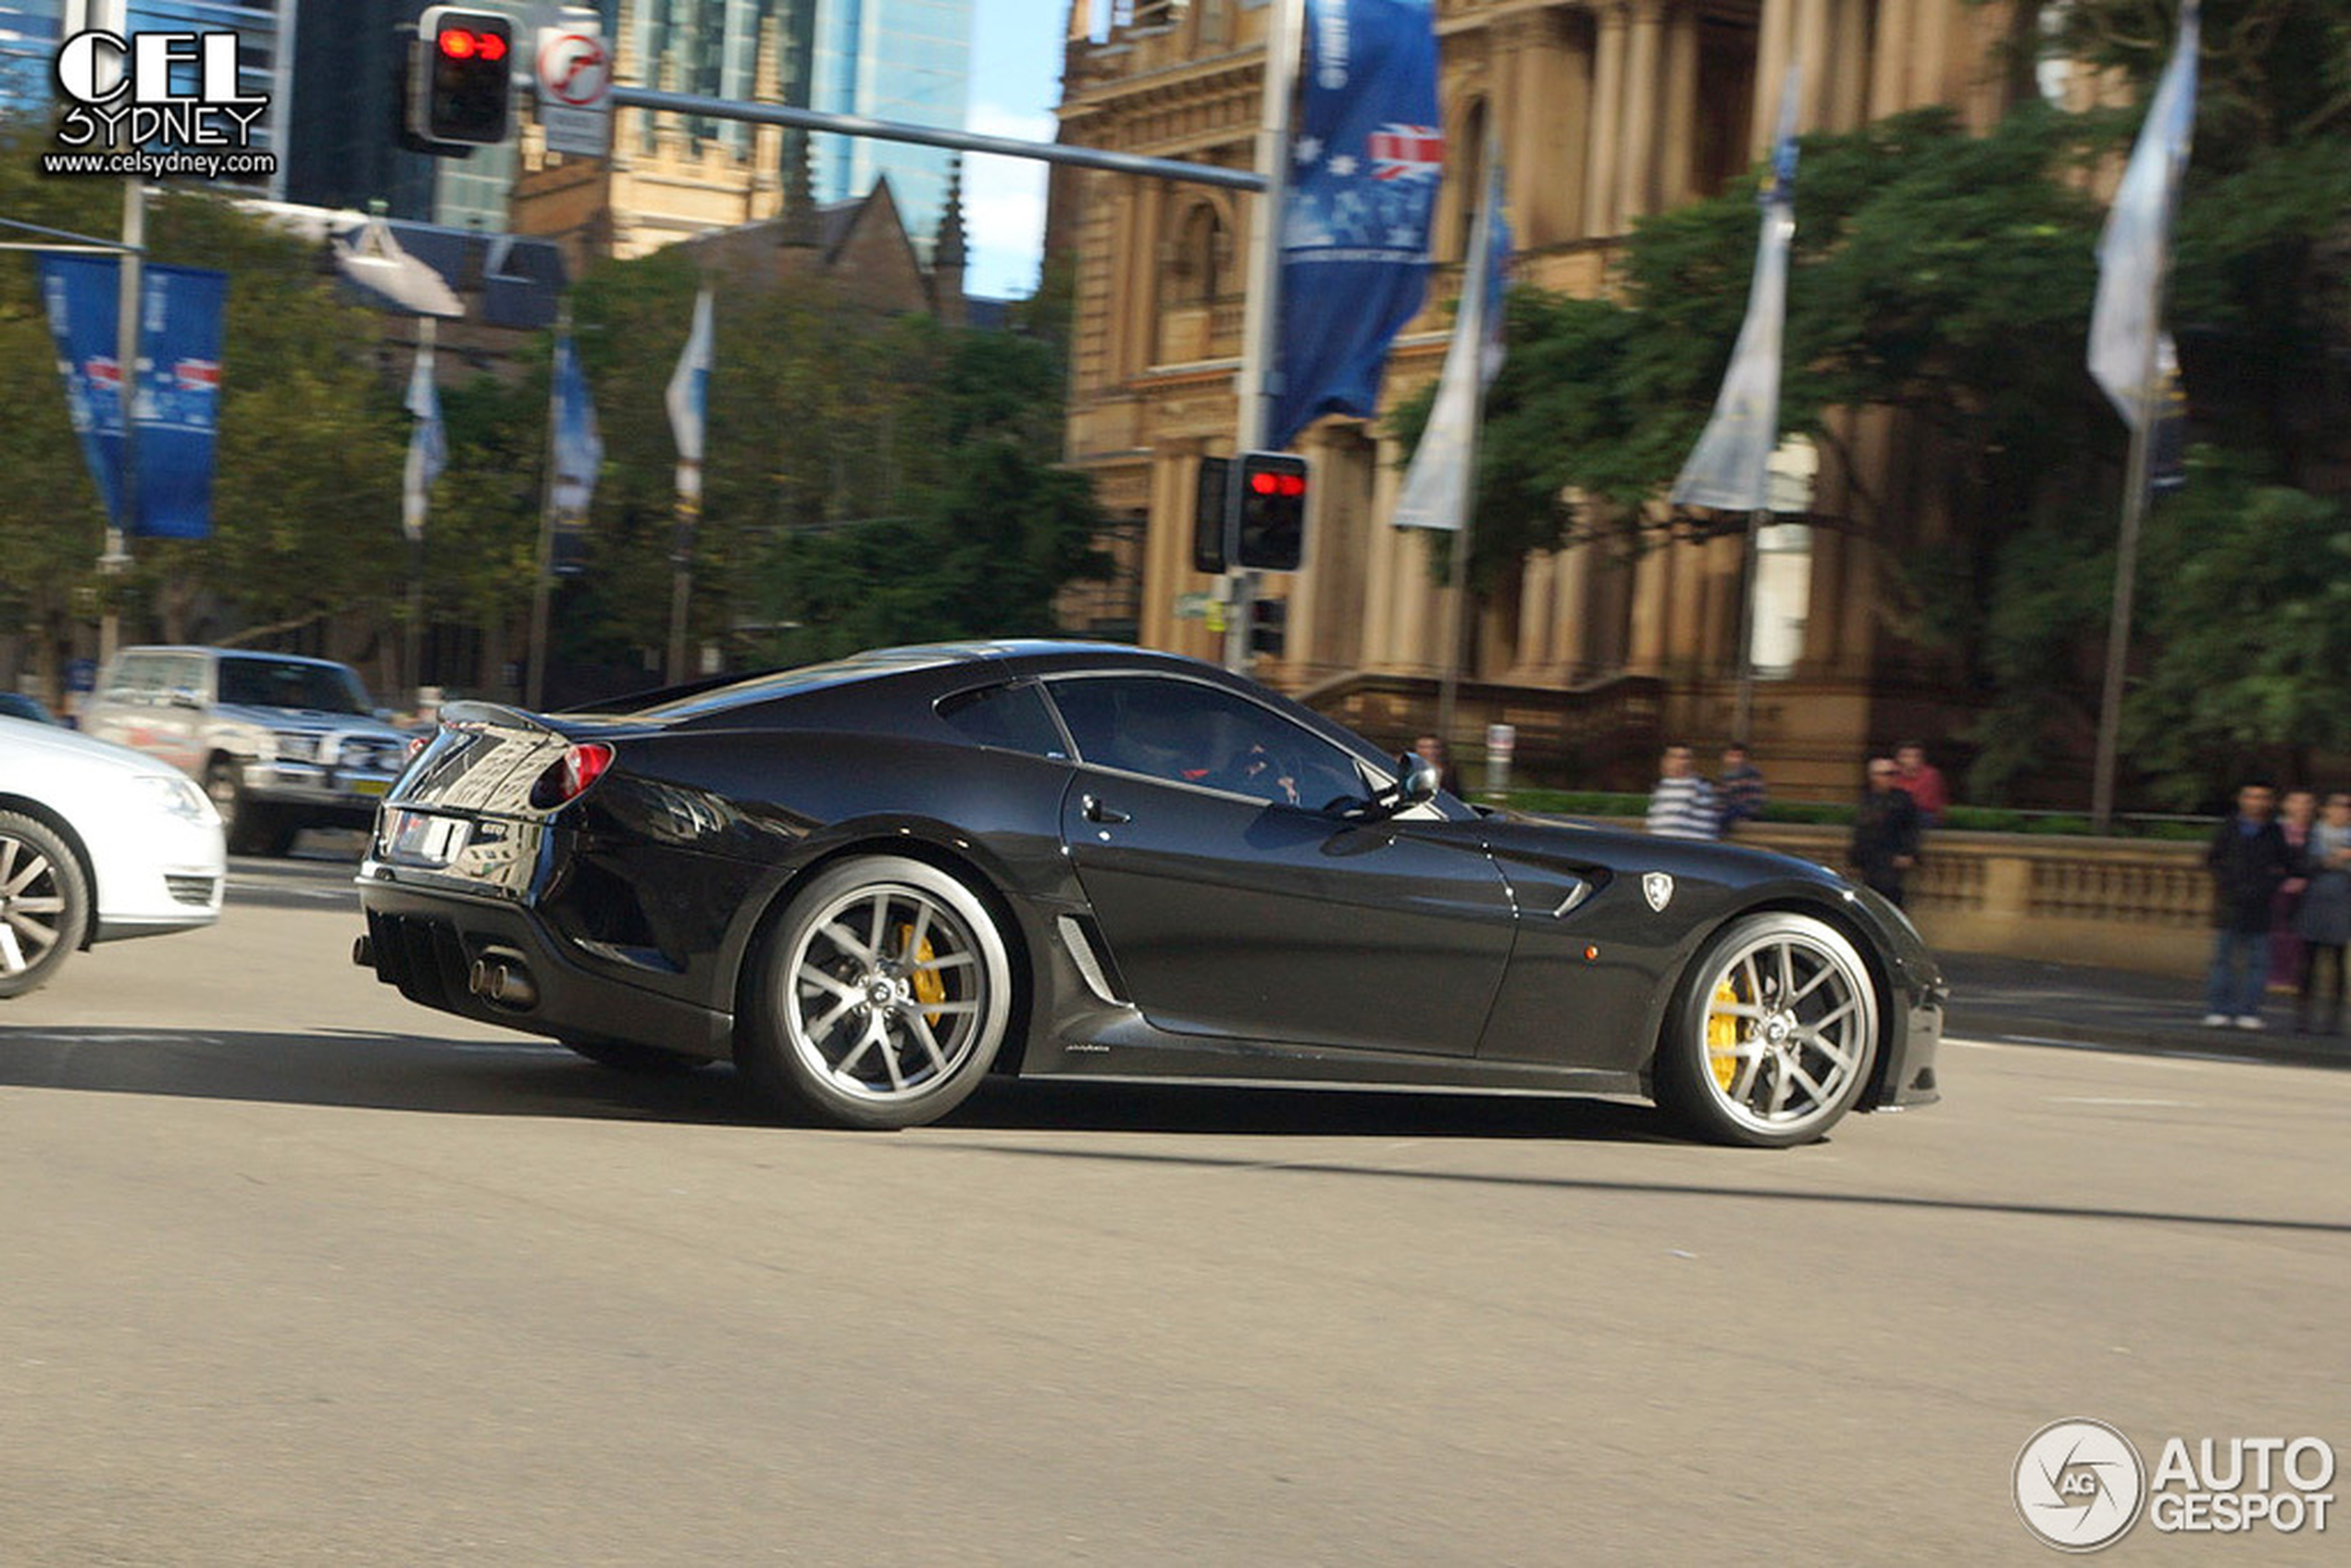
column 458, row 44
column 459, row 80
column 1269, row 532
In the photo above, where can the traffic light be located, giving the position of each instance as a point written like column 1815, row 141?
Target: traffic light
column 1270, row 502
column 461, row 76
column 1268, row 627
column 1212, row 500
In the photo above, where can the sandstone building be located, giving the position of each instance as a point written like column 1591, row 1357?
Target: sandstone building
column 1605, row 110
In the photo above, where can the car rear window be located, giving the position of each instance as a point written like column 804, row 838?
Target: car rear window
column 1011, row 717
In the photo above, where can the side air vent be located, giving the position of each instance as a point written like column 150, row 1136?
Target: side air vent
column 1089, row 963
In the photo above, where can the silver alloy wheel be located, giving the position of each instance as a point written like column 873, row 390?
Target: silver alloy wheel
column 1789, row 1028
column 887, row 992
column 32, row 906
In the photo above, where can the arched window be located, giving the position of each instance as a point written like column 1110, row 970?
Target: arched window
column 1193, row 279
column 1465, row 160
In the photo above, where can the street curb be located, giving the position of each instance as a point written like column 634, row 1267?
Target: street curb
column 2230, row 1045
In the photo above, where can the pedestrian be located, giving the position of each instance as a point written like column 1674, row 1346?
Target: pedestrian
column 1922, row 782
column 1430, row 749
column 2324, row 918
column 2297, row 810
column 1682, row 806
column 1885, row 831
column 2248, row 859
column 1740, row 792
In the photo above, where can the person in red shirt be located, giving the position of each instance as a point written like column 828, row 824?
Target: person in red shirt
column 1922, row 782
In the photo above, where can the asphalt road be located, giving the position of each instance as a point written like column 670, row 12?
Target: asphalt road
column 297, row 1273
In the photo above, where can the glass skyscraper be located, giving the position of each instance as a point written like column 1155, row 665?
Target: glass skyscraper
column 906, row 60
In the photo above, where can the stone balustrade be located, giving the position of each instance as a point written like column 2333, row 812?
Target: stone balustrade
column 2128, row 904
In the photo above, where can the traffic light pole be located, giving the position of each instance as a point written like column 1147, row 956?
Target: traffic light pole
column 1262, row 307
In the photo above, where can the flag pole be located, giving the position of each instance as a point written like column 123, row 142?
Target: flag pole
column 1475, row 267
column 1261, row 310
column 2126, row 572
column 1742, row 720
column 542, row 583
column 682, row 562
column 413, row 670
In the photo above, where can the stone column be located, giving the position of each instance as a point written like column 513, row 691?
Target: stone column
column 1380, row 559
column 1775, row 36
column 1572, row 614
column 1644, row 95
column 1890, row 58
column 1652, row 610
column 1677, row 176
column 1600, row 214
column 1848, row 43
column 1931, row 51
column 1812, row 48
column 1537, row 601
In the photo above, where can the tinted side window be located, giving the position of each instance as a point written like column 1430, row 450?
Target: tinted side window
column 1190, row 733
column 1011, row 718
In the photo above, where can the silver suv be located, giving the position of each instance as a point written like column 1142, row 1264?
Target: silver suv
column 280, row 742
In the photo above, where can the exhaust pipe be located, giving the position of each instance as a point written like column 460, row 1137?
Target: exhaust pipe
column 503, row 982
column 363, row 951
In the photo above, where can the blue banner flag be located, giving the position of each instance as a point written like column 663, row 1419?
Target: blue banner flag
column 1363, row 175
column 1730, row 468
column 579, row 456
column 2128, row 344
column 176, row 384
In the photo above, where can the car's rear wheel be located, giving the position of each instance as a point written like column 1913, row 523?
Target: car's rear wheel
column 627, row 1056
column 1772, row 1033
column 882, row 994
column 45, row 903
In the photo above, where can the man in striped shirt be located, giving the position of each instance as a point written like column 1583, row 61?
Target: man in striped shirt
column 1682, row 806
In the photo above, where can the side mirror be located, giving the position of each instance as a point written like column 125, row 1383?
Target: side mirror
column 1415, row 783
column 1415, row 779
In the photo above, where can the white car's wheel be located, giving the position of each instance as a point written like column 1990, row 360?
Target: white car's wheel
column 1772, row 1035
column 45, row 903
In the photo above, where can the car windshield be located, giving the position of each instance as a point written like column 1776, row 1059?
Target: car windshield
column 291, row 683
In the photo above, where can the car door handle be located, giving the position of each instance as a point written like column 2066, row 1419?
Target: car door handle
column 1096, row 811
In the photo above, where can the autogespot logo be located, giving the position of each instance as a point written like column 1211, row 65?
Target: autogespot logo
column 2079, row 1485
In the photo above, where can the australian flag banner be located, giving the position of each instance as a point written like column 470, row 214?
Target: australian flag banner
column 1363, row 174
column 175, row 398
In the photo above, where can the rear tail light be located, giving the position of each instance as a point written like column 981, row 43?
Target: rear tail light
column 569, row 775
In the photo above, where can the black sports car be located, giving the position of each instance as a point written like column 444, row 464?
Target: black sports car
column 871, row 882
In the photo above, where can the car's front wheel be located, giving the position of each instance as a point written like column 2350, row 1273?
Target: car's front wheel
column 44, row 902
column 881, row 995
column 1772, row 1033
column 248, row 826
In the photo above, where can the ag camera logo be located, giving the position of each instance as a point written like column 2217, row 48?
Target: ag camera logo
column 2079, row 1485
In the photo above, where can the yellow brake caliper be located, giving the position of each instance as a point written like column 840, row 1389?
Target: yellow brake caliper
column 929, row 988
column 1722, row 1038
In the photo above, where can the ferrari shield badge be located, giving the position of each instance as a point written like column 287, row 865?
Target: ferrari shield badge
column 1657, row 888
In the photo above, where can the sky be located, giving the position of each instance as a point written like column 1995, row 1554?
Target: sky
column 1015, row 82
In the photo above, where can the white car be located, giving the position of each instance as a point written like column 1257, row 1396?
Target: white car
column 97, row 842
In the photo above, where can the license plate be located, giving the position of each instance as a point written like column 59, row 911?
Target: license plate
column 421, row 838
column 371, row 786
